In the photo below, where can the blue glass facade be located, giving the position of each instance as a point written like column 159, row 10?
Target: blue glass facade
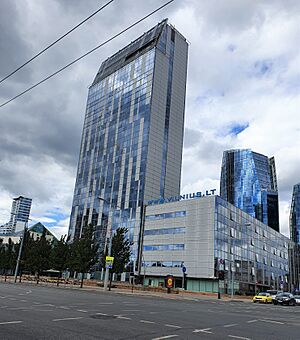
column 248, row 181
column 131, row 89
column 295, row 215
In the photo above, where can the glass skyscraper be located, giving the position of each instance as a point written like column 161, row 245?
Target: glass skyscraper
column 248, row 181
column 295, row 215
column 131, row 148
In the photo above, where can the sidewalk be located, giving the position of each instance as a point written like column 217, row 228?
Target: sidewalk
column 137, row 290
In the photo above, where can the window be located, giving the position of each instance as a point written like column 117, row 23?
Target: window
column 166, row 215
column 179, row 230
column 164, row 247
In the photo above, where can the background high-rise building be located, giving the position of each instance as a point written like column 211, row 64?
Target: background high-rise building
column 19, row 216
column 248, row 181
column 131, row 148
column 295, row 215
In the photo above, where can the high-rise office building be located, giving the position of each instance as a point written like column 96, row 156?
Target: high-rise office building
column 131, row 148
column 248, row 181
column 295, row 215
column 19, row 216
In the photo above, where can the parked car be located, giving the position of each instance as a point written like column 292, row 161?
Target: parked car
column 262, row 297
column 297, row 298
column 273, row 293
column 285, row 299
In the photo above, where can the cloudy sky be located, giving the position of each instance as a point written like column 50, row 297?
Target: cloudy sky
column 243, row 91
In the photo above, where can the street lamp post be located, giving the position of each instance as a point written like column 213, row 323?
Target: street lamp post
column 20, row 252
column 109, row 242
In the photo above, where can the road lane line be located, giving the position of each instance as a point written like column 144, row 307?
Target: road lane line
column 101, row 314
column 82, row 310
column 123, row 318
column 204, row 330
column 173, row 326
column 238, row 337
column 105, row 303
column 146, row 321
column 66, row 319
column 231, row 325
column 272, row 321
column 166, row 337
column 250, row 321
column 10, row 322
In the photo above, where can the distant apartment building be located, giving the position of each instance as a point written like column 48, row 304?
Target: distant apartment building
column 19, row 216
column 248, row 181
column 131, row 149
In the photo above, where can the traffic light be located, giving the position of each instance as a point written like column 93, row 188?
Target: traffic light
column 221, row 274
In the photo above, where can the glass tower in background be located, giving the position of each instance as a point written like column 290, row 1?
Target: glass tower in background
column 248, row 181
column 295, row 215
column 131, row 148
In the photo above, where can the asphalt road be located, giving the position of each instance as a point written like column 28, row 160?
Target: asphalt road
column 36, row 312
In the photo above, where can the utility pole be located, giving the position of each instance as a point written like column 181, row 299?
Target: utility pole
column 109, row 242
column 20, row 252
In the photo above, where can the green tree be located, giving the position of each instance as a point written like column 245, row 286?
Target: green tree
column 7, row 257
column 120, row 250
column 38, row 256
column 59, row 256
column 83, row 252
column 28, row 245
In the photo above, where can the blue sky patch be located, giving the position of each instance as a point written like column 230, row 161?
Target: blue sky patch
column 237, row 128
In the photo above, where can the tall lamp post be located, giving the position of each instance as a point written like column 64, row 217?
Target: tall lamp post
column 20, row 251
column 109, row 242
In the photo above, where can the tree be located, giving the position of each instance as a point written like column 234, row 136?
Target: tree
column 38, row 256
column 7, row 257
column 120, row 250
column 83, row 252
column 60, row 255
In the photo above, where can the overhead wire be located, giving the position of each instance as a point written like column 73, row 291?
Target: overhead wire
column 87, row 53
column 56, row 41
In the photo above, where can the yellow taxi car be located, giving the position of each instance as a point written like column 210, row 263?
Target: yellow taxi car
column 262, row 297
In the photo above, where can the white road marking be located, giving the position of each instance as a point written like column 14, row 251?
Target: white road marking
column 166, row 337
column 272, row 321
column 63, row 307
column 66, row 319
column 231, row 325
column 105, row 303
column 101, row 314
column 204, row 330
column 82, row 310
column 10, row 322
column 146, row 321
column 173, row 326
column 238, row 337
column 3, row 307
column 123, row 318
column 250, row 321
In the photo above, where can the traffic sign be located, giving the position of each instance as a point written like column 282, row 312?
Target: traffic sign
column 183, row 269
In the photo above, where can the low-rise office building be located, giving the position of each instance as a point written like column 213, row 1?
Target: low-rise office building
column 213, row 239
